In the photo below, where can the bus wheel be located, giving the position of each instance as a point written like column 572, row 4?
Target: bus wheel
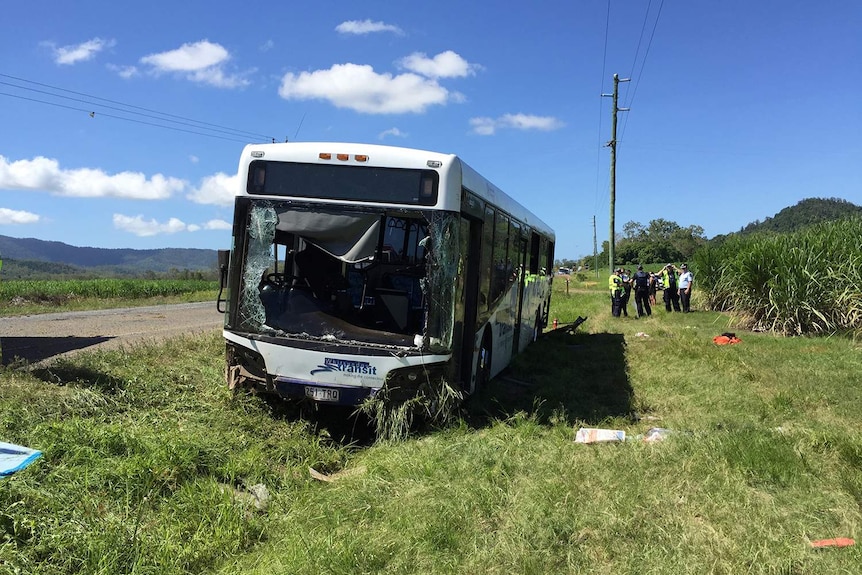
column 483, row 363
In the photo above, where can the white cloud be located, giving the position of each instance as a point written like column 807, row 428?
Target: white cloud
column 366, row 27
column 143, row 228
column 360, row 88
column 267, row 46
column 201, row 61
column 217, row 225
column 391, row 132
column 8, row 216
column 488, row 126
column 44, row 174
column 74, row 53
column 194, row 159
column 446, row 64
column 140, row 227
column 124, row 71
column 219, row 189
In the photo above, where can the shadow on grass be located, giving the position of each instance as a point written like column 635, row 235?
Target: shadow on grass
column 62, row 372
column 578, row 376
column 342, row 424
column 35, row 349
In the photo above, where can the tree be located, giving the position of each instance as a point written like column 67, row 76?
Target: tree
column 660, row 241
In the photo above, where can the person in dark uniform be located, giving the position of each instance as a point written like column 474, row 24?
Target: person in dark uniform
column 626, row 276
column 641, row 281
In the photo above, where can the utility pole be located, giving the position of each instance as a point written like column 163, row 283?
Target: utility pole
column 595, row 250
column 613, row 146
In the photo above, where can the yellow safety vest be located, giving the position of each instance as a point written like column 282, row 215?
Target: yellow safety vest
column 666, row 278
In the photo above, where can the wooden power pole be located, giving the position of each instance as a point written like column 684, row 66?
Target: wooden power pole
column 613, row 146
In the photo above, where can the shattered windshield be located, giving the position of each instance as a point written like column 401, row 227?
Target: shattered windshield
column 381, row 277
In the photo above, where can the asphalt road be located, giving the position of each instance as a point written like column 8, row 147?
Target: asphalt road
column 38, row 337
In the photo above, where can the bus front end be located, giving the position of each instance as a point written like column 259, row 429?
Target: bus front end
column 341, row 277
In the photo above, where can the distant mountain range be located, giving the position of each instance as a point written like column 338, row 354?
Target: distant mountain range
column 28, row 257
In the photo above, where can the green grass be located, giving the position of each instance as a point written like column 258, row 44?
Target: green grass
column 21, row 297
column 764, row 454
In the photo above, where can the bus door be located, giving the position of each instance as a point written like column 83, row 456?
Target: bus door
column 470, row 254
column 522, row 267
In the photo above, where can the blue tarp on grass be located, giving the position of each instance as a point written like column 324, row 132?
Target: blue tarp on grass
column 15, row 458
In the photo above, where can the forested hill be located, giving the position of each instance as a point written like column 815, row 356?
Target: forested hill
column 803, row 214
column 117, row 261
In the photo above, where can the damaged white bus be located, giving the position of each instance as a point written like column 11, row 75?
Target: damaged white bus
column 359, row 267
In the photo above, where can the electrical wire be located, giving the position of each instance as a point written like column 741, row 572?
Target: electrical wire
column 639, row 75
column 601, row 83
column 93, row 114
column 162, row 116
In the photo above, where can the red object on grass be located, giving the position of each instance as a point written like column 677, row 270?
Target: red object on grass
column 837, row 542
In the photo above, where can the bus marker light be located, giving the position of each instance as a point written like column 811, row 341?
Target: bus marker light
column 360, row 158
column 434, row 163
column 324, row 156
column 343, row 157
column 257, row 154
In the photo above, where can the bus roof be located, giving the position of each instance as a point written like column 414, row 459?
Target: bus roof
column 451, row 168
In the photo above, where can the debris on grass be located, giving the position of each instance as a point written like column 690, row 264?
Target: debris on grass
column 595, row 435
column 335, row 476
column 655, row 435
column 836, row 542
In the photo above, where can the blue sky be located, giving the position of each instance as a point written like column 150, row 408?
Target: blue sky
column 738, row 108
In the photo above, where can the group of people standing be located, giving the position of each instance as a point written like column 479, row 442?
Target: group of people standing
column 676, row 283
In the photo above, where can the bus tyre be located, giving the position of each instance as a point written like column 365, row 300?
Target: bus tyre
column 483, row 363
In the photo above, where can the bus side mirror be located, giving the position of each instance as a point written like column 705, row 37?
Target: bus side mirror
column 223, row 263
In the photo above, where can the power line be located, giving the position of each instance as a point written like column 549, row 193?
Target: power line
column 230, row 133
column 601, row 83
column 93, row 114
column 643, row 62
column 162, row 116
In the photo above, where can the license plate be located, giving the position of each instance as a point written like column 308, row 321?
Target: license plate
column 322, row 393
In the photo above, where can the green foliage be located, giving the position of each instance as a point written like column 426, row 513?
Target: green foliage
column 60, row 291
column 805, row 213
column 147, row 463
column 395, row 416
column 42, row 270
column 660, row 241
column 763, row 440
column 809, row 281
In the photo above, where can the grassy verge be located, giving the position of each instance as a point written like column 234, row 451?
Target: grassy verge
column 764, row 454
column 25, row 297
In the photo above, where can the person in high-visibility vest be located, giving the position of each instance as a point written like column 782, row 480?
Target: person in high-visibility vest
column 615, row 283
column 670, row 276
